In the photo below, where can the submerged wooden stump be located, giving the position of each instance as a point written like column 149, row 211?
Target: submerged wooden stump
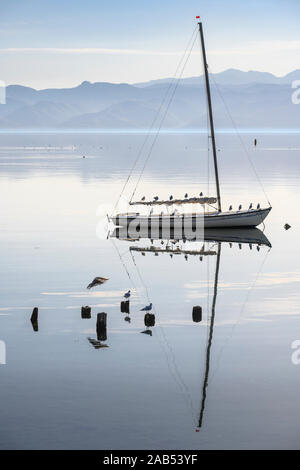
column 149, row 319
column 34, row 319
column 125, row 305
column 101, row 326
column 197, row 313
column 86, row 312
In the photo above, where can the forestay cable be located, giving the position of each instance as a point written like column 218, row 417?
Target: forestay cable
column 156, row 116
column 163, row 118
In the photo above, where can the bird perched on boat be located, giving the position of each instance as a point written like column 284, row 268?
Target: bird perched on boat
column 250, row 207
column 147, row 308
column 143, row 198
column 171, row 198
column 186, row 195
column 155, row 198
column 97, row 281
column 240, row 206
column 258, row 206
column 127, row 294
column 230, row 208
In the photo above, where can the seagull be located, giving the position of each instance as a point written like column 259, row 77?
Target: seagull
column 186, row 195
column 240, row 206
column 147, row 308
column 97, row 281
column 143, row 198
column 127, row 295
column 171, row 197
column 230, row 208
column 258, row 206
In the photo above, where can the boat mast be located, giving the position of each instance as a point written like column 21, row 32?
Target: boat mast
column 211, row 121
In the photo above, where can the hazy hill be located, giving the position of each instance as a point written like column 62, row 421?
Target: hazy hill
column 254, row 99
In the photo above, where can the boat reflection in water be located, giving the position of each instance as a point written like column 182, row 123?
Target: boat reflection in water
column 180, row 243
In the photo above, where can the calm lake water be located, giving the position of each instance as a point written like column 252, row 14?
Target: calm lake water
column 146, row 392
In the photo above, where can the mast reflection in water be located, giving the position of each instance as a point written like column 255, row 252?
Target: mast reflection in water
column 180, row 244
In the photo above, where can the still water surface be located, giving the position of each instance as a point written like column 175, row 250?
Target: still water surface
column 145, row 392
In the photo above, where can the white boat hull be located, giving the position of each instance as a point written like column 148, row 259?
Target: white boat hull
column 250, row 218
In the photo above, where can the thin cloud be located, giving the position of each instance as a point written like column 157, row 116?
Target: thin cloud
column 255, row 47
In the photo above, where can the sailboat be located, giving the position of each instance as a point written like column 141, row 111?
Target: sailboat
column 215, row 218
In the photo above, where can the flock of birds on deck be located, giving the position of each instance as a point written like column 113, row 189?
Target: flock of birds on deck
column 156, row 198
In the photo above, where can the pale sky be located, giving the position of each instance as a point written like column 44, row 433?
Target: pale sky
column 51, row 43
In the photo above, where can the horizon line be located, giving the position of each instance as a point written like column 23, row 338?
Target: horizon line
column 154, row 79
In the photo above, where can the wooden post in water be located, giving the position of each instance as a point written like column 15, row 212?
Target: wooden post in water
column 101, row 326
column 34, row 319
column 86, row 312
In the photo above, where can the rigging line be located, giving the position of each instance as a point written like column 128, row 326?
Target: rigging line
column 126, row 270
column 173, row 370
column 155, row 117
column 178, row 379
column 207, row 303
column 163, row 118
column 249, row 290
column 241, row 140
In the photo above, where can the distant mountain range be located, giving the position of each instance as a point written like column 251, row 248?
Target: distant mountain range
column 244, row 99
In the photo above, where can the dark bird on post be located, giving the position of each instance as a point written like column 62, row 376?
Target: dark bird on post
column 143, row 198
column 258, row 206
column 201, row 194
column 240, row 206
column 230, row 208
column 97, row 282
column 171, row 197
column 155, row 198
column 250, row 207
column 186, row 195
